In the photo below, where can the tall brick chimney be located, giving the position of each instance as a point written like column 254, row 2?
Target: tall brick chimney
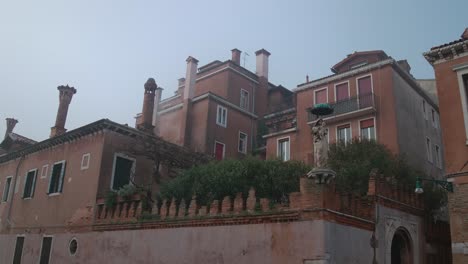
column 189, row 92
column 157, row 100
column 262, row 63
column 236, row 55
column 190, row 77
column 65, row 96
column 10, row 125
column 261, row 95
column 148, row 106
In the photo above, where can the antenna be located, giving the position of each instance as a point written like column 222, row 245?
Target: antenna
column 245, row 54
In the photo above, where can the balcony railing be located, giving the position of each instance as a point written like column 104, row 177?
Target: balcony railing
column 350, row 105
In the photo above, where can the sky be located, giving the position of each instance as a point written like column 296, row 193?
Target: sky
column 107, row 49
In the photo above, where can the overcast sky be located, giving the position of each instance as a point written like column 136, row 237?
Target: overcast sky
column 108, row 49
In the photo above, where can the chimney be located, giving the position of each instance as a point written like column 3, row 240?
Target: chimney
column 405, row 65
column 190, row 78
column 181, row 82
column 65, row 96
column 236, row 55
column 465, row 34
column 148, row 106
column 10, row 125
column 307, row 78
column 157, row 100
column 262, row 63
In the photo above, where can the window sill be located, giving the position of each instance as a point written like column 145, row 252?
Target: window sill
column 54, row 194
column 221, row 125
column 27, row 198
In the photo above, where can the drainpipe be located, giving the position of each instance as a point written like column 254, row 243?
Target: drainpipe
column 12, row 192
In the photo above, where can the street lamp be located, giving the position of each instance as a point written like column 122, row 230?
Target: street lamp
column 448, row 186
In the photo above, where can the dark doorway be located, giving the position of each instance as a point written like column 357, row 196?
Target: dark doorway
column 402, row 252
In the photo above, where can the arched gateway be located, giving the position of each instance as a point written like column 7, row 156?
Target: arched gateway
column 402, row 250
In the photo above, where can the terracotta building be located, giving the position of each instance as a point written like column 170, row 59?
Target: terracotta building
column 51, row 187
column 450, row 62
column 373, row 97
column 217, row 107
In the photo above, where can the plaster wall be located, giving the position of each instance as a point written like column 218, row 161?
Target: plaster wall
column 414, row 126
column 51, row 212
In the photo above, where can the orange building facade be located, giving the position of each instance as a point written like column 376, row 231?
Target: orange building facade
column 450, row 62
column 374, row 97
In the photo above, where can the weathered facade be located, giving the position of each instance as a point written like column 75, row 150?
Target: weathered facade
column 374, row 97
column 450, row 62
column 217, row 107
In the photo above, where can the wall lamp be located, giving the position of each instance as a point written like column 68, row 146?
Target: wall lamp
column 448, row 186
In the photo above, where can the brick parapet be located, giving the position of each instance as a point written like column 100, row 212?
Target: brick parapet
column 313, row 201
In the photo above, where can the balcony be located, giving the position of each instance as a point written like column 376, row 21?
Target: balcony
column 353, row 107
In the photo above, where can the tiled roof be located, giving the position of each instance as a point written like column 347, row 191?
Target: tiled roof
column 463, row 37
column 20, row 138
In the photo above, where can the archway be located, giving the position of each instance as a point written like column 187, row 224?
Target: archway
column 401, row 251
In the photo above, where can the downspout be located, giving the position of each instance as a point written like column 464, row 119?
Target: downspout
column 252, row 136
column 10, row 194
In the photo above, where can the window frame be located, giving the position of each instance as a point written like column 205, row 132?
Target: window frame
column 246, row 106
column 88, row 155
column 438, row 155
column 224, row 149
column 132, row 170
column 44, row 174
column 22, row 248
column 283, row 139
column 5, row 199
column 51, row 247
column 429, row 155
column 424, row 106
column 33, row 185
column 61, row 178
column 219, row 122
column 319, row 90
column 244, row 143
column 461, row 71
column 349, row 89
column 375, row 127
column 350, row 133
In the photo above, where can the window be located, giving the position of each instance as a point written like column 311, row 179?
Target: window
column 85, row 161
column 18, row 250
column 434, row 118
column 56, row 177
column 365, row 91
column 30, row 184
column 438, row 157
column 221, row 116
column 242, row 142
column 46, row 247
column 219, row 150
column 73, row 247
column 342, row 92
column 321, row 96
column 44, row 170
column 428, row 150
column 424, row 109
column 343, row 133
column 283, row 149
column 6, row 189
column 367, row 129
column 244, row 99
column 462, row 75
column 124, row 167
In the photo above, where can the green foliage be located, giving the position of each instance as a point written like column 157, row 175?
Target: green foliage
column 110, row 199
column 271, row 179
column 354, row 161
column 127, row 191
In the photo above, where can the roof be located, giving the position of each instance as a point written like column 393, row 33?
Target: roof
column 174, row 153
column 13, row 141
column 382, row 54
column 463, row 37
column 20, row 138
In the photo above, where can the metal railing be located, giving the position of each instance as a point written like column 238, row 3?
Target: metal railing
column 349, row 105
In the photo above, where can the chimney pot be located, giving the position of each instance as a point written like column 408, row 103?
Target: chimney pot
column 236, row 55
column 65, row 96
column 10, row 125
